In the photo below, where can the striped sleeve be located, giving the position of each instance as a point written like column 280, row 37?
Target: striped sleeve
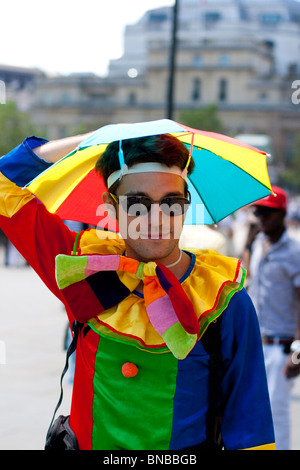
column 38, row 235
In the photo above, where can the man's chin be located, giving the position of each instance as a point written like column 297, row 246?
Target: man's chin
column 150, row 249
column 155, row 236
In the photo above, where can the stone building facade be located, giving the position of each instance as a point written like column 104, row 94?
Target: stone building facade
column 241, row 55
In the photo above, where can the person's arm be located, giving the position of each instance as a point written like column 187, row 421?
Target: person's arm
column 244, row 399
column 292, row 368
column 246, row 255
column 38, row 235
column 54, row 150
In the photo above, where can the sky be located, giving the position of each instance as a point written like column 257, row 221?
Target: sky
column 65, row 36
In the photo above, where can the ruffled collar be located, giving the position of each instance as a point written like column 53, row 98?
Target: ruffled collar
column 209, row 283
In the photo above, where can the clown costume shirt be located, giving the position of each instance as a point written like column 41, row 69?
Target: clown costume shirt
column 142, row 373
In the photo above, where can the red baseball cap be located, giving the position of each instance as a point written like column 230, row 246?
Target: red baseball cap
column 277, row 200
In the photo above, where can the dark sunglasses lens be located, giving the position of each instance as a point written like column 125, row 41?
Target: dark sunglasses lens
column 174, row 206
column 141, row 205
column 263, row 212
column 136, row 206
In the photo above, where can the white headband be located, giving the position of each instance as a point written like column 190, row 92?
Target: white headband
column 145, row 167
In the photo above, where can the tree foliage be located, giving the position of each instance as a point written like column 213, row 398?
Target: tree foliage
column 15, row 125
column 205, row 119
column 290, row 176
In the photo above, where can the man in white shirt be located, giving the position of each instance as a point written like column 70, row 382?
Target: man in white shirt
column 275, row 291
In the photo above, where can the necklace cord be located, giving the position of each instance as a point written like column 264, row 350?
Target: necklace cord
column 176, row 262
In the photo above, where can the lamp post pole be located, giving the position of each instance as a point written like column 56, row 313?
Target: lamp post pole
column 172, row 65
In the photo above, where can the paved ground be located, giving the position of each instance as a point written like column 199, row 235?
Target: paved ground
column 32, row 327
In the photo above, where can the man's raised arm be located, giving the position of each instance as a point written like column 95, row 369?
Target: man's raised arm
column 54, row 150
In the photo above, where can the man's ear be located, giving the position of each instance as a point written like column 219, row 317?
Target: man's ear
column 109, row 206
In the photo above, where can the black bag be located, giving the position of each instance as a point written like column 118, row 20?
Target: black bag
column 60, row 436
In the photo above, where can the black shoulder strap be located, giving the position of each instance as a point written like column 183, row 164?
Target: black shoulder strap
column 72, row 347
column 211, row 341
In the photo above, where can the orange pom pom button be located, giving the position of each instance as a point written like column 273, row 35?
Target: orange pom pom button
column 129, row 369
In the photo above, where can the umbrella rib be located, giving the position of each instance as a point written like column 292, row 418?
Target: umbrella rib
column 193, row 134
column 207, row 209
column 205, row 205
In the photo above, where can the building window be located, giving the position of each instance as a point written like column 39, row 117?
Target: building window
column 224, row 60
column 292, row 70
column 132, row 99
column 271, row 18
column 197, row 61
column 223, row 90
column 156, row 17
column 212, row 16
column 196, row 89
column 263, row 96
column 65, row 98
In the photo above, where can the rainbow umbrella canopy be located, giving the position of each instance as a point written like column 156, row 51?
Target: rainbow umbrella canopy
column 228, row 174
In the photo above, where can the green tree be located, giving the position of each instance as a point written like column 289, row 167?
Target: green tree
column 15, row 125
column 205, row 119
column 290, row 177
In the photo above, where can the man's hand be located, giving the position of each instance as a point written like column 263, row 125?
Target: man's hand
column 292, row 367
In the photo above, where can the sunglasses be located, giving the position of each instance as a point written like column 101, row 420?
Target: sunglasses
column 265, row 212
column 141, row 205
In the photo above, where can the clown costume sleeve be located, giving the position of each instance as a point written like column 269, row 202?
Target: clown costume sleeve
column 38, row 235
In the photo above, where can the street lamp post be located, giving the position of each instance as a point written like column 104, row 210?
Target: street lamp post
column 172, row 65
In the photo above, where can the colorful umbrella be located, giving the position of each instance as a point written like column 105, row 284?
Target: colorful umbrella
column 228, row 174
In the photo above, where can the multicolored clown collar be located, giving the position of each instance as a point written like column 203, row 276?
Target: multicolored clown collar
column 94, row 285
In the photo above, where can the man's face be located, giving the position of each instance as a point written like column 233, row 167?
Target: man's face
column 269, row 220
column 153, row 235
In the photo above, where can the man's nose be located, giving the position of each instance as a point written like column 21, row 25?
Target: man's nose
column 155, row 213
column 155, row 209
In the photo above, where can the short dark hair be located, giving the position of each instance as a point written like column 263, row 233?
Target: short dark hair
column 162, row 148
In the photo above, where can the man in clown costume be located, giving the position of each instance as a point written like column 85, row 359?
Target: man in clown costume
column 142, row 375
